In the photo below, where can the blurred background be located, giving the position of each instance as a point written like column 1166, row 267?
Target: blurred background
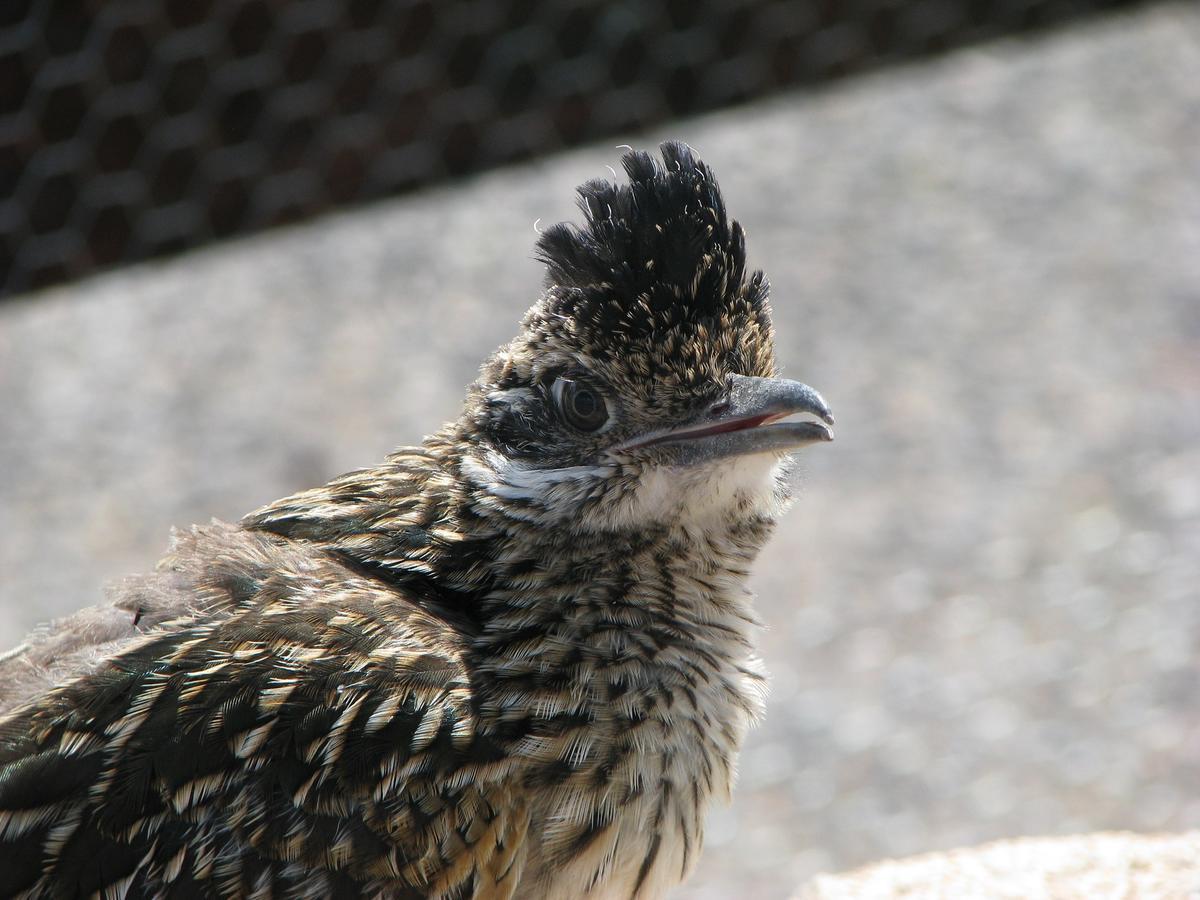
column 981, row 221
column 134, row 129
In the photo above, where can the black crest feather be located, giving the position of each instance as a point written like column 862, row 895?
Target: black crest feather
column 662, row 238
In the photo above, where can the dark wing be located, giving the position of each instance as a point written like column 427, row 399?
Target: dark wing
column 313, row 746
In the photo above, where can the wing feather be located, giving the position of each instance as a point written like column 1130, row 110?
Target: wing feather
column 314, row 742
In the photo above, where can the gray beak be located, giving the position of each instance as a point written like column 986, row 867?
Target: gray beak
column 750, row 419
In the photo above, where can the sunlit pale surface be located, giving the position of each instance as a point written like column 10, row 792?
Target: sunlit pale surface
column 1078, row 867
column 983, row 610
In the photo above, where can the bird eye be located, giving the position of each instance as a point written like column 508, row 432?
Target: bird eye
column 581, row 405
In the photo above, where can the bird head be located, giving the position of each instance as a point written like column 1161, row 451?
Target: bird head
column 643, row 384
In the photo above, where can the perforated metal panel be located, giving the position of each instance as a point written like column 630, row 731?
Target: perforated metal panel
column 133, row 128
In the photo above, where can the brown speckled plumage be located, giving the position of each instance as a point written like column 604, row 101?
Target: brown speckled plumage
column 515, row 661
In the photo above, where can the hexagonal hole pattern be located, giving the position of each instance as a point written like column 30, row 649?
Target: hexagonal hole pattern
column 126, row 54
column 63, row 112
column 52, row 203
column 229, row 115
column 118, row 143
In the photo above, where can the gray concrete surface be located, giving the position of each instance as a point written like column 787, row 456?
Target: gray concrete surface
column 984, row 610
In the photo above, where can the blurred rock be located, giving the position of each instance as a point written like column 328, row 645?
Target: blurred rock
column 1085, row 867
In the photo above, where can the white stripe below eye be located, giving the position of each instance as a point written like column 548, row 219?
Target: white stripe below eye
column 509, row 479
column 532, row 482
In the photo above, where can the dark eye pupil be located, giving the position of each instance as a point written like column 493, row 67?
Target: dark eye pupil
column 585, row 403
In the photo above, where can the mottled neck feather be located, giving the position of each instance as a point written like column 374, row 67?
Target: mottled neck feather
column 418, row 522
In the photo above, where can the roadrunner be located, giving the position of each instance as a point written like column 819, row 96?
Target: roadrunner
column 513, row 661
